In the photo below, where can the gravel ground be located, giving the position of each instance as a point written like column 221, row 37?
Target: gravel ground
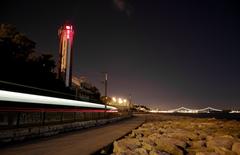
column 192, row 136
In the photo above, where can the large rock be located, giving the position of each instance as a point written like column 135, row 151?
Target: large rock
column 174, row 141
column 197, row 144
column 126, row 144
column 168, row 146
column 202, row 135
column 140, row 151
column 207, row 153
column 223, row 141
column 183, row 135
column 157, row 152
column 236, row 147
column 126, row 152
column 155, row 136
column 140, row 132
column 147, row 143
column 193, row 151
column 224, row 151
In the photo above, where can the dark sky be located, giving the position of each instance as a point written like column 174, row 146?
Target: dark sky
column 166, row 53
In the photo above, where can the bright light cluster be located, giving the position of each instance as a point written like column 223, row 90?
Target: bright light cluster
column 187, row 110
column 119, row 102
column 234, row 111
column 38, row 99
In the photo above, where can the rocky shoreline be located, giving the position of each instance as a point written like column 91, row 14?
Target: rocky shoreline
column 192, row 136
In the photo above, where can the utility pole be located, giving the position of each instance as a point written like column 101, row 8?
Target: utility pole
column 130, row 104
column 105, row 83
column 130, row 101
column 105, row 88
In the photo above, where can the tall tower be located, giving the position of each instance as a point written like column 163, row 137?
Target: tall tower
column 65, row 34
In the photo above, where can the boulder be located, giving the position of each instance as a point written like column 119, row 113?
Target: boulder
column 168, row 146
column 174, row 141
column 156, row 152
column 140, row 151
column 193, row 151
column 183, row 135
column 154, row 136
column 223, row 141
column 147, row 144
column 132, row 135
column 236, row 148
column 126, row 144
column 126, row 152
column 207, row 153
column 197, row 144
column 224, row 151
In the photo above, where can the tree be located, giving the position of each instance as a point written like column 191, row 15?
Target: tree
column 14, row 45
column 18, row 63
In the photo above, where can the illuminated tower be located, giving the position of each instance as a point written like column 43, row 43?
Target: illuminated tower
column 65, row 34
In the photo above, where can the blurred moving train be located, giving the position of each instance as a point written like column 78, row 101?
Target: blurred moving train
column 15, row 101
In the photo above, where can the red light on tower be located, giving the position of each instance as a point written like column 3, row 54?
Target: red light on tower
column 68, row 27
column 65, row 34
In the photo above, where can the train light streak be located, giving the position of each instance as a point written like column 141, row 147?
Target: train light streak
column 18, row 109
column 38, row 99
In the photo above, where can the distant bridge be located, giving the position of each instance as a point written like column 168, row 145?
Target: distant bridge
column 187, row 110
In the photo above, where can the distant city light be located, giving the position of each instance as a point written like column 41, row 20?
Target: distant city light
column 186, row 110
column 235, row 111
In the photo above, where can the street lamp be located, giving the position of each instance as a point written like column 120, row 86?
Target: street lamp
column 105, row 83
column 114, row 99
column 105, row 88
column 120, row 101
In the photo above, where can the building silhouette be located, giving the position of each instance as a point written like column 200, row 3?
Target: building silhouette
column 85, row 90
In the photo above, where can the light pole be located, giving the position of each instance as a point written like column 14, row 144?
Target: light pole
column 130, row 99
column 105, row 88
column 105, row 83
column 130, row 102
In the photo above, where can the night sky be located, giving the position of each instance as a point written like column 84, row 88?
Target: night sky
column 166, row 53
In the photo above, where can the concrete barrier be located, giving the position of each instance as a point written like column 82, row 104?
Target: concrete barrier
column 20, row 134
